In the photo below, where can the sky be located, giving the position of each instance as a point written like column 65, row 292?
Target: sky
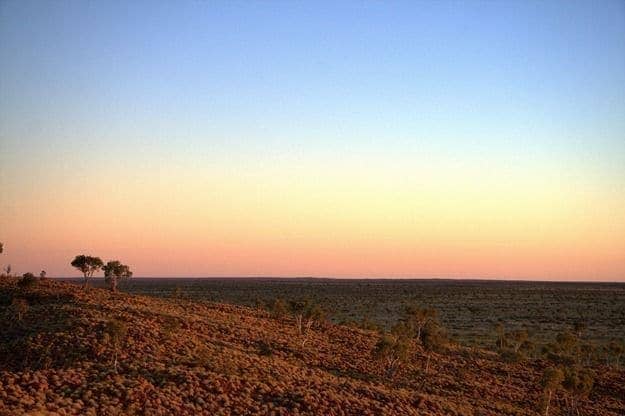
column 437, row 139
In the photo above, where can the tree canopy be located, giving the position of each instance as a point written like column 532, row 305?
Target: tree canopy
column 87, row 265
column 114, row 271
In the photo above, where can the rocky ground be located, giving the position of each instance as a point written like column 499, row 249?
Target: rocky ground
column 59, row 345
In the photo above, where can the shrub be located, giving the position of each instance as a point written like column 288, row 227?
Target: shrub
column 19, row 307
column 416, row 319
column 565, row 350
column 434, row 339
column 27, row 280
column 368, row 324
column 170, row 327
column 265, row 348
column 115, row 333
column 616, row 350
column 577, row 383
column 509, row 355
column 306, row 314
column 579, row 327
column 392, row 351
column 176, row 292
column 278, row 308
column 551, row 381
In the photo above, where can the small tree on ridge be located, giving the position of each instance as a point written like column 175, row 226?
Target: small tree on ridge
column 87, row 265
column 114, row 271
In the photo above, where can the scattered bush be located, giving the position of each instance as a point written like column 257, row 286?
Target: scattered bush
column 170, row 327
column 434, row 339
column 551, row 381
column 306, row 314
column 278, row 308
column 577, row 383
column 616, row 350
column 27, row 280
column 115, row 333
column 176, row 293
column 392, row 351
column 19, row 307
column 265, row 348
column 417, row 319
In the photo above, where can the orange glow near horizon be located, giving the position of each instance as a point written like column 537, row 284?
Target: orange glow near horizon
column 340, row 223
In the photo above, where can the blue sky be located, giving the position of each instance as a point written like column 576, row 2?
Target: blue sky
column 511, row 88
column 285, row 71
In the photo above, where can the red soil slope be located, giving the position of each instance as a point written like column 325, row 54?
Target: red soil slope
column 188, row 358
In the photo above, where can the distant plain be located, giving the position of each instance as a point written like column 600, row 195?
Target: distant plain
column 469, row 309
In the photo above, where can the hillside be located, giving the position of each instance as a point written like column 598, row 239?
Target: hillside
column 182, row 357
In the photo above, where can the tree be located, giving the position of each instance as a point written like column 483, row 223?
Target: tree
column 433, row 339
column 115, row 334
column 306, row 313
column 616, row 349
column 28, row 280
column 578, row 383
column 19, row 307
column 392, row 350
column 551, row 382
column 114, row 271
column 417, row 318
column 1, row 247
column 518, row 339
column 87, row 265
column 278, row 308
column 422, row 325
column 579, row 327
column 42, row 275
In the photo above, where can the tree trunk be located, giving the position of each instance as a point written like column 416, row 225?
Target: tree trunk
column 548, row 402
column 113, row 284
column 298, row 321
column 427, row 364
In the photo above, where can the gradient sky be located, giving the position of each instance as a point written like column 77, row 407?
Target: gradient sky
column 358, row 139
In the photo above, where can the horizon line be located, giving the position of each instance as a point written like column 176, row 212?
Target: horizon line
column 262, row 277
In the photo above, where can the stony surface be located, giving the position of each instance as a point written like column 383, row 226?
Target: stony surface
column 188, row 358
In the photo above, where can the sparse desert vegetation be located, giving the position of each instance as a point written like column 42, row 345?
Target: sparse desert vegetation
column 77, row 351
column 526, row 316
